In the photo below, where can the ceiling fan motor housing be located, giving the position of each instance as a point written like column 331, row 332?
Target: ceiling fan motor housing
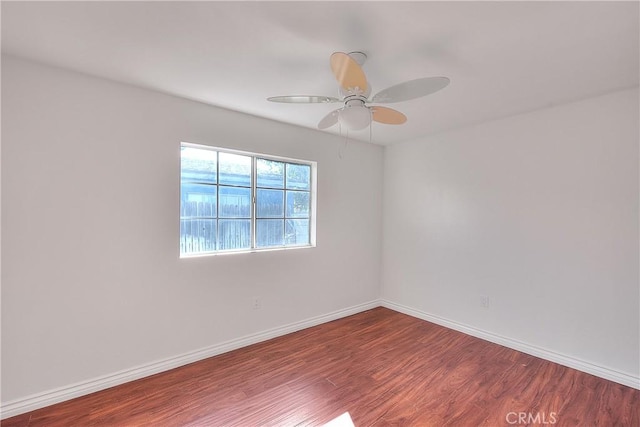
column 344, row 93
column 355, row 101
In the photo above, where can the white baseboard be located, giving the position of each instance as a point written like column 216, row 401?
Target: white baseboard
column 61, row 394
column 561, row 359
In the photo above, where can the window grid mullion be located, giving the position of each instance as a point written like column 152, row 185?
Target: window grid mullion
column 254, row 195
column 284, row 208
column 217, row 246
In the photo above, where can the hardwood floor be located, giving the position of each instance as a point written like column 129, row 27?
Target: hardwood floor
column 385, row 368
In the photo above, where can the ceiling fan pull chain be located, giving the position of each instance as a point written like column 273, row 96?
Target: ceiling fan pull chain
column 339, row 147
column 370, row 134
column 346, row 141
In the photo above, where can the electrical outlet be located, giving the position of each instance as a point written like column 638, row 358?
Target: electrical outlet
column 484, row 301
column 257, row 303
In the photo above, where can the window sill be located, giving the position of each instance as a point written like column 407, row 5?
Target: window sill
column 245, row 251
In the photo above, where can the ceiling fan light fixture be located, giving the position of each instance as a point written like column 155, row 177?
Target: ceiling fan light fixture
column 355, row 117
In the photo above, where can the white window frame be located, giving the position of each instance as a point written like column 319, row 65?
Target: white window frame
column 254, row 156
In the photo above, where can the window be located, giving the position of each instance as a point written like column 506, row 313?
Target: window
column 235, row 201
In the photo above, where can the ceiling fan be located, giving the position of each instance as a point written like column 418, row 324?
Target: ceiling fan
column 355, row 90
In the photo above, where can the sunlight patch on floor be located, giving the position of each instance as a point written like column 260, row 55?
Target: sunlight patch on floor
column 343, row 420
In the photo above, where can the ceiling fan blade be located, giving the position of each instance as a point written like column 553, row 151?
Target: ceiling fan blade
column 387, row 116
column 330, row 119
column 411, row 89
column 303, row 99
column 348, row 73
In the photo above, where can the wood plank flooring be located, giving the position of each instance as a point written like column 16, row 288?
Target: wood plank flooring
column 385, row 368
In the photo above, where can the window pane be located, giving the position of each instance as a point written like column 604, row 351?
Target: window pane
column 197, row 165
column 234, row 234
column 297, row 204
column 235, row 202
column 197, row 235
column 269, row 232
column 270, row 203
column 197, row 200
column 298, row 176
column 270, row 173
column 297, row 232
column 235, row 169
column 230, row 200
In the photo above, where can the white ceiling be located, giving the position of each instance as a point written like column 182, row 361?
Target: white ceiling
column 503, row 58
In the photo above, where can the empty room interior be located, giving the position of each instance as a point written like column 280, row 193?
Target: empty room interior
column 320, row 213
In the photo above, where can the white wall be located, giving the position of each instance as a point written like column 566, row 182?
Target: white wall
column 539, row 212
column 91, row 280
